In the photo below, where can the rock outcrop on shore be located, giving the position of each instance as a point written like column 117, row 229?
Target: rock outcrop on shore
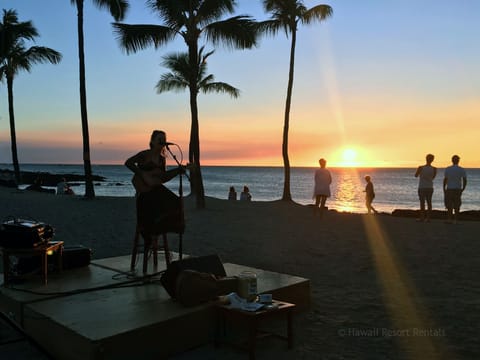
column 7, row 178
column 438, row 214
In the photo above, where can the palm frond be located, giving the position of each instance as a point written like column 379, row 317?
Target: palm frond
column 270, row 27
column 19, row 58
column 316, row 13
column 213, row 10
column 203, row 80
column 171, row 12
column 11, row 30
column 117, row 8
column 220, row 87
column 42, row 54
column 178, row 78
column 3, row 72
column 133, row 38
column 178, row 63
column 202, row 58
column 171, row 82
column 237, row 32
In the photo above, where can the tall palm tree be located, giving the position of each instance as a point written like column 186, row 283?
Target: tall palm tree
column 14, row 57
column 191, row 19
column 285, row 15
column 117, row 9
column 178, row 78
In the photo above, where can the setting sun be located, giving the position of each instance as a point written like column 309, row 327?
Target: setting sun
column 349, row 155
column 349, row 158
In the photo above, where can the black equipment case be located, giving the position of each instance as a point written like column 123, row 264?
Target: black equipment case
column 21, row 233
column 74, row 256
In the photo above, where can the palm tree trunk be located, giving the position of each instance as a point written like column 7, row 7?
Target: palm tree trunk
column 287, row 196
column 89, row 189
column 197, row 182
column 194, row 149
column 13, row 135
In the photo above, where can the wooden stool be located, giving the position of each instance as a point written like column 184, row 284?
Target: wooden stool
column 252, row 319
column 148, row 243
column 40, row 250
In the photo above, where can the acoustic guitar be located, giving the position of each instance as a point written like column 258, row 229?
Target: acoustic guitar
column 150, row 179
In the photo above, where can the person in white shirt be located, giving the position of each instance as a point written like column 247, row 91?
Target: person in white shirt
column 245, row 194
column 426, row 174
column 454, row 183
column 321, row 192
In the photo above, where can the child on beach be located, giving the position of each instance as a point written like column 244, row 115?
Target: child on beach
column 369, row 195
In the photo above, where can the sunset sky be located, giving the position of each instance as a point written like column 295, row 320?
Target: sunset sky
column 380, row 83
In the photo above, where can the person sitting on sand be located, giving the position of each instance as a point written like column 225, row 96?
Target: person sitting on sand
column 369, row 195
column 245, row 194
column 63, row 188
column 232, row 194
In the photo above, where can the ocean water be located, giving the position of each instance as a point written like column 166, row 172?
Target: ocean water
column 394, row 188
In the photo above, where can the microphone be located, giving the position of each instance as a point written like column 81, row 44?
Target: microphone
column 167, row 143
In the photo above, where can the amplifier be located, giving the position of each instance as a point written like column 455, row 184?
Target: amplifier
column 75, row 256
column 20, row 233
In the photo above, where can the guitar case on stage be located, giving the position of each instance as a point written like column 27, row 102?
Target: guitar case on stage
column 210, row 264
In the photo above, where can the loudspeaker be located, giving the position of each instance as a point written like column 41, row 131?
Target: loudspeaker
column 76, row 256
column 210, row 264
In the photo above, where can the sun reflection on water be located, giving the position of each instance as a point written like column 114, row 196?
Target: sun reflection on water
column 348, row 191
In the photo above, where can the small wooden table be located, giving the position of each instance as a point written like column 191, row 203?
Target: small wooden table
column 40, row 250
column 252, row 320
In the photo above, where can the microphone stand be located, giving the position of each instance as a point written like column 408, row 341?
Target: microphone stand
column 180, row 193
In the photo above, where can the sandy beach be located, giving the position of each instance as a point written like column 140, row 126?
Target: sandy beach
column 383, row 287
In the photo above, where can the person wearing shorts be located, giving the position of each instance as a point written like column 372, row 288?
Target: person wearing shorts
column 426, row 173
column 454, row 183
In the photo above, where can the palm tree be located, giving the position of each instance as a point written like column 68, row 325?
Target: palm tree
column 14, row 57
column 191, row 19
column 178, row 78
column 285, row 15
column 117, row 9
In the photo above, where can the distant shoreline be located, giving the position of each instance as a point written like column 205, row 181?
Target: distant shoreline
column 362, row 168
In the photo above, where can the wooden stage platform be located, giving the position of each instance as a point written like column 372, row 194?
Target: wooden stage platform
column 99, row 312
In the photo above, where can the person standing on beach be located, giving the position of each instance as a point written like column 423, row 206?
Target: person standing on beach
column 426, row 174
column 369, row 195
column 454, row 183
column 323, row 179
